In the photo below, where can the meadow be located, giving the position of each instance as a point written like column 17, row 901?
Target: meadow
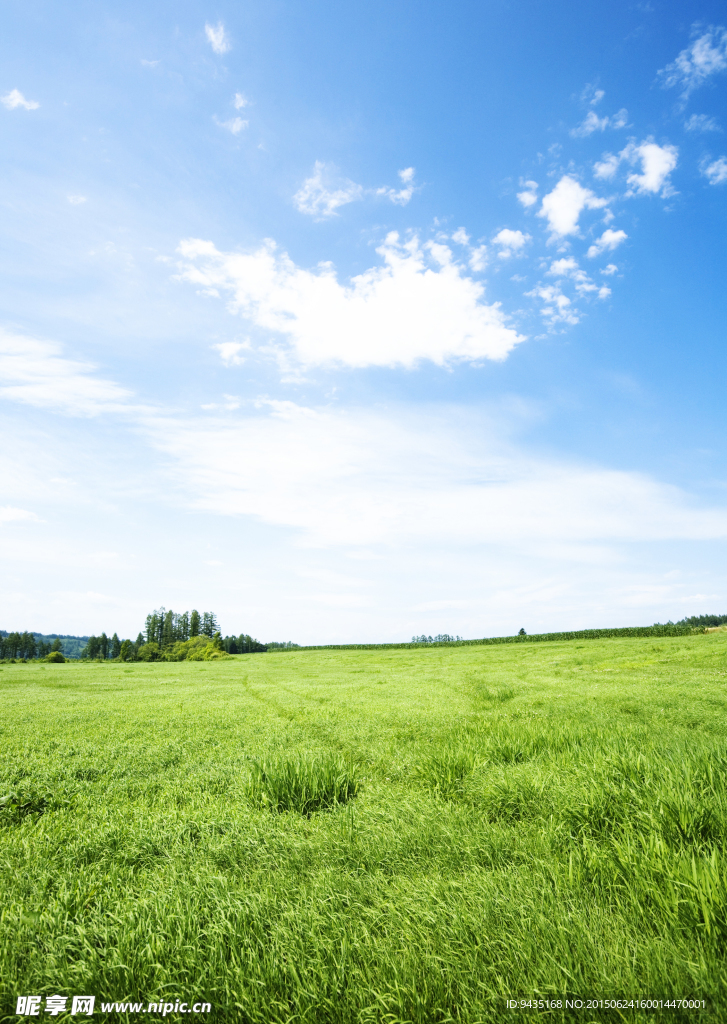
column 354, row 836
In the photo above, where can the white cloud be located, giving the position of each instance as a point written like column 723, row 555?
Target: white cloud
column 234, row 125
column 76, row 200
column 478, row 259
column 592, row 95
column 529, row 195
column 657, row 163
column 400, row 196
column 716, row 172
column 610, row 269
column 217, row 37
column 607, row 167
column 608, row 241
column 593, row 123
column 440, row 477
column 584, row 286
column 150, row 63
column 36, row 373
column 240, row 101
column 391, row 315
column 563, row 206
column 556, row 306
column 701, row 123
column 8, row 514
column 461, row 237
column 15, row 99
column 706, row 56
column 230, row 352
column 320, row 196
column 510, row 242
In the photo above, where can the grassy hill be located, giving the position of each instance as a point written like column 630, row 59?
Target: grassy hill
column 356, row 836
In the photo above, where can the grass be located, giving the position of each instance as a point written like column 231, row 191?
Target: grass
column 399, row 836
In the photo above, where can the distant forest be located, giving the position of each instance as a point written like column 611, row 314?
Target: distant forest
column 172, row 636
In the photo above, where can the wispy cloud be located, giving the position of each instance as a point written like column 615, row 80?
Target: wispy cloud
column 15, row 99
column 36, row 372
column 716, row 171
column 400, row 196
column 594, row 123
column 9, row 514
column 76, row 200
column 701, row 123
column 235, row 125
column 230, row 352
column 323, row 193
column 217, row 37
column 420, row 304
column 240, row 101
column 706, row 56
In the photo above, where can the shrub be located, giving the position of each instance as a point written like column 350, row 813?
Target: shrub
column 55, row 656
column 149, row 652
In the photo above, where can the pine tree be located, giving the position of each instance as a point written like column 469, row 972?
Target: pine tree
column 167, row 637
column 115, row 646
column 210, row 625
column 57, row 645
column 194, row 623
column 183, row 626
column 104, row 646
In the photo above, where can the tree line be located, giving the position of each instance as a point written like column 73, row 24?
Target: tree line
column 25, row 646
column 171, row 636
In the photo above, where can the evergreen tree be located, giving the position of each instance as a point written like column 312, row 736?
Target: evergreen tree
column 183, row 627
column 194, row 623
column 210, row 625
column 57, row 645
column 167, row 637
column 104, row 646
column 115, row 646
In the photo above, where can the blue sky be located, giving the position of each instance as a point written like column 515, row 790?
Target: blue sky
column 350, row 322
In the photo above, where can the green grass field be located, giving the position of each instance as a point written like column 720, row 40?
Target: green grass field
column 358, row 836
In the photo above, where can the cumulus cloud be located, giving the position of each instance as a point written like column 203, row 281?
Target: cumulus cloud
column 594, row 123
column 563, row 206
column 321, row 194
column 529, row 195
column 610, row 269
column 510, row 243
column 706, row 56
column 15, row 99
column 608, row 241
column 217, row 37
column 35, row 372
column 716, row 171
column 657, row 163
column 701, row 123
column 420, row 304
